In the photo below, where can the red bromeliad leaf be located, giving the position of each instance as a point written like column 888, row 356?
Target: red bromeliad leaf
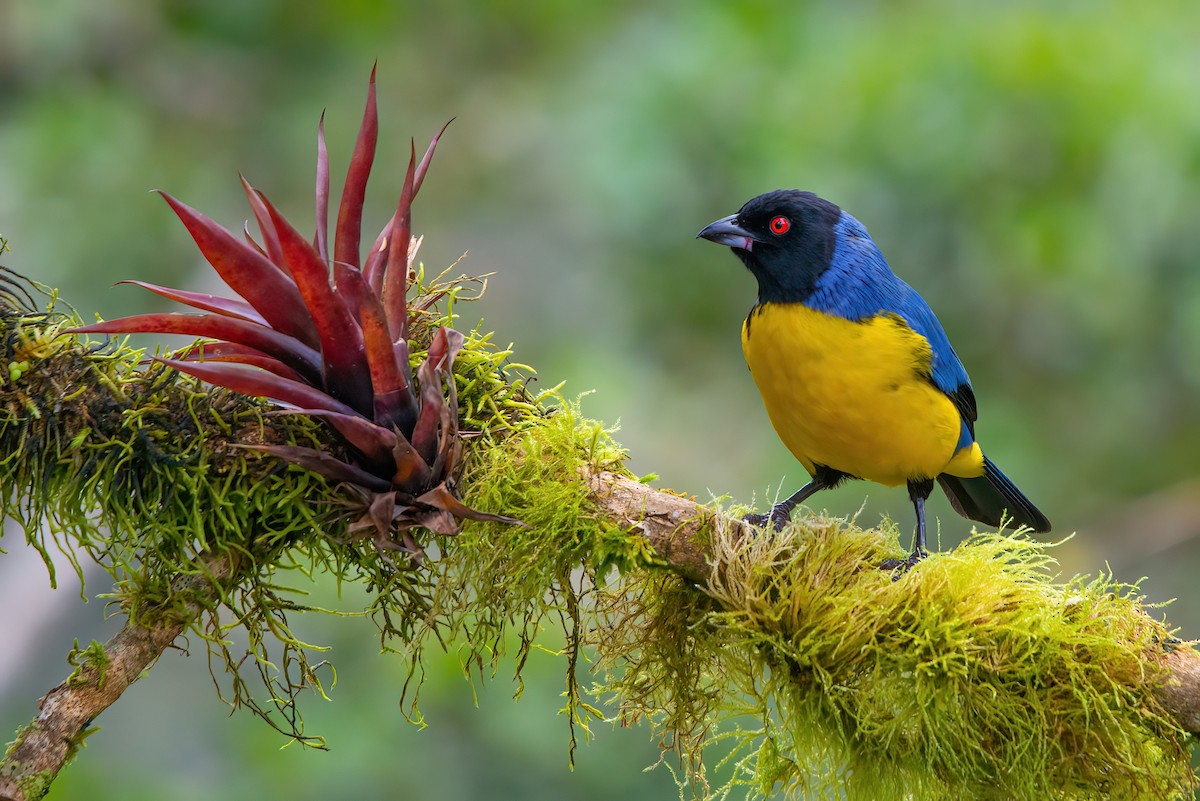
column 375, row 442
column 347, row 375
column 323, row 464
column 448, row 443
column 295, row 354
column 395, row 404
column 261, row 384
column 237, row 354
column 250, row 240
column 202, row 300
column 423, row 167
column 412, row 472
column 425, row 438
column 442, row 350
column 349, row 222
column 349, row 284
column 322, row 234
column 439, row 521
column 378, row 257
column 440, row 497
column 270, row 239
column 380, row 512
column 247, row 273
column 395, row 277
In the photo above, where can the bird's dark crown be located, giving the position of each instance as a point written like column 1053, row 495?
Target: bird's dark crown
column 787, row 265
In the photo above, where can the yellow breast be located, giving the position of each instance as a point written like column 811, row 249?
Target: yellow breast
column 854, row 396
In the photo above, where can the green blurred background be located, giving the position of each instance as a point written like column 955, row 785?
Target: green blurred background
column 1033, row 172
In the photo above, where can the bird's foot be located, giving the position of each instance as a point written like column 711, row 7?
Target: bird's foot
column 902, row 566
column 778, row 517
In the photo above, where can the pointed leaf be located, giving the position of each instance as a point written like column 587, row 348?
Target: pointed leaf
column 423, row 167
column 322, row 192
column 395, row 405
column 258, row 383
column 347, row 375
column 424, row 436
column 378, row 258
column 395, row 276
column 201, row 300
column 274, row 252
column 236, row 354
column 251, row 241
column 412, row 473
column 349, row 285
column 375, row 442
column 381, row 511
column 402, row 403
column 443, row 462
column 441, row 497
column 323, row 464
column 439, row 521
column 438, row 362
column 248, row 274
column 295, row 354
column 349, row 222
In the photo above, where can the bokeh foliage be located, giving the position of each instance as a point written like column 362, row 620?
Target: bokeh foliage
column 1031, row 168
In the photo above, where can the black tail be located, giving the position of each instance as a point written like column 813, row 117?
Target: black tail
column 990, row 497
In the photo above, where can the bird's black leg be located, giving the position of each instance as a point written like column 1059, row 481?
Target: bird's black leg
column 918, row 491
column 825, row 478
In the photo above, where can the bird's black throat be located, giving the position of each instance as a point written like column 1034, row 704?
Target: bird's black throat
column 788, row 268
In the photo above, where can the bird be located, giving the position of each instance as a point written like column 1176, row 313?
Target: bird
column 856, row 373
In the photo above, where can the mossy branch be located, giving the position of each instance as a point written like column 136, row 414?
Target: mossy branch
column 974, row 674
column 43, row 747
column 680, row 531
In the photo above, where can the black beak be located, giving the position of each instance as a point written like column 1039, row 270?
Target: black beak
column 726, row 231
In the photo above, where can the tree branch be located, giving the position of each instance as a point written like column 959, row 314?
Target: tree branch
column 46, row 744
column 674, row 526
column 671, row 524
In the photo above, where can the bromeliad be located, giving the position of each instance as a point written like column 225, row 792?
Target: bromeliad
column 329, row 337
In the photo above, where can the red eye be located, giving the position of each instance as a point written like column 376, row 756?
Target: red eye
column 780, row 225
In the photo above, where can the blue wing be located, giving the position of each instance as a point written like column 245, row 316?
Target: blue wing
column 859, row 284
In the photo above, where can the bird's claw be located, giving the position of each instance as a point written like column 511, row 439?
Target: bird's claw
column 902, row 566
column 777, row 517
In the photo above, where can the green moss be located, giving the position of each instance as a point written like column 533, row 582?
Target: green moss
column 498, row 579
column 134, row 468
column 12, row 746
column 36, row 786
column 538, row 475
column 32, row 787
column 974, row 675
column 90, row 663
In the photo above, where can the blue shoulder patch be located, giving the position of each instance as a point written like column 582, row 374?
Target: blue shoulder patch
column 859, row 285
